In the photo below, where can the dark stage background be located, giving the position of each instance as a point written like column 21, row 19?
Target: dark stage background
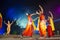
column 17, row 9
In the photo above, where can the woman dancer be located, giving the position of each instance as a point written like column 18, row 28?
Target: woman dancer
column 42, row 26
column 50, row 27
column 29, row 27
column 8, row 27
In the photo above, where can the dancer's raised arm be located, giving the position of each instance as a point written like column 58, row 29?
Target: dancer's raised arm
column 41, row 8
column 5, row 22
column 51, row 14
column 37, row 12
column 12, row 22
column 30, row 14
column 33, row 14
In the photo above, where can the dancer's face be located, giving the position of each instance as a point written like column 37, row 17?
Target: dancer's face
column 26, row 13
column 42, row 17
column 8, row 22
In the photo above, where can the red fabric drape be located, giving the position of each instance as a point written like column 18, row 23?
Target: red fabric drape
column 29, row 28
column 49, row 30
column 0, row 22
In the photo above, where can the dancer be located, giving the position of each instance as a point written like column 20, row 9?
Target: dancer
column 51, row 27
column 29, row 27
column 0, row 20
column 42, row 26
column 8, row 27
column 51, row 21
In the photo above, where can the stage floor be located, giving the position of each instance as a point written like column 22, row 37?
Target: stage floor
column 19, row 37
